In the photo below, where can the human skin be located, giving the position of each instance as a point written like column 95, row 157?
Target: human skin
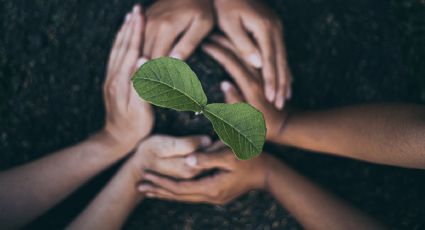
column 113, row 204
column 257, row 34
column 389, row 134
column 29, row 190
column 313, row 207
column 175, row 28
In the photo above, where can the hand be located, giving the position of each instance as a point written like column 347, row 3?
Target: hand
column 234, row 178
column 128, row 118
column 176, row 28
column 167, row 155
column 239, row 19
column 248, row 81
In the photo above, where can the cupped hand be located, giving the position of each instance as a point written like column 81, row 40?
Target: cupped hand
column 257, row 34
column 175, row 28
column 248, row 80
column 128, row 118
column 233, row 178
column 167, row 155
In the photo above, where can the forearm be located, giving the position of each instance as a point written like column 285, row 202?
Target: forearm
column 387, row 134
column 29, row 190
column 111, row 207
column 313, row 207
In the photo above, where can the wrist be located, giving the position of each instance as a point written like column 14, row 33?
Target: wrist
column 273, row 166
column 112, row 143
column 281, row 128
column 119, row 140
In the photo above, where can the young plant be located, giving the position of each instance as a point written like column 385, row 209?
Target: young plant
column 170, row 83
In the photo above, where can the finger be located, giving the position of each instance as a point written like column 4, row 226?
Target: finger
column 126, row 40
column 227, row 44
column 117, row 42
column 191, row 38
column 266, row 43
column 176, row 167
column 223, row 41
column 243, row 43
column 167, row 146
column 132, row 54
column 216, row 146
column 231, row 94
column 150, row 36
column 243, row 78
column 178, row 187
column 223, row 159
column 289, row 90
column 140, row 62
column 164, row 42
column 282, row 71
column 153, row 191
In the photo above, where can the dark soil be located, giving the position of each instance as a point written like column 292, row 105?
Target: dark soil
column 52, row 66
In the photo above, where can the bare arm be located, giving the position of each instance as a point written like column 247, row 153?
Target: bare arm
column 391, row 134
column 383, row 133
column 312, row 206
column 110, row 208
column 29, row 190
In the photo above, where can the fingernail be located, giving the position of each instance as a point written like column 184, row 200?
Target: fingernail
column 143, row 188
column 176, row 55
column 205, row 141
column 141, row 61
column 279, row 103
column 191, row 160
column 136, row 9
column 255, row 60
column 225, row 86
column 127, row 17
column 269, row 94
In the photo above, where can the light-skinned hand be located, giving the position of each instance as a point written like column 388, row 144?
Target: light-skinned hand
column 167, row 155
column 234, row 178
column 175, row 28
column 128, row 118
column 257, row 33
column 248, row 80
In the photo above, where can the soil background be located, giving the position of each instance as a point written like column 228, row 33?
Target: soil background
column 52, row 65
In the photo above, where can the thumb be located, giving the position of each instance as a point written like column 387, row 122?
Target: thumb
column 205, row 161
column 231, row 94
column 167, row 146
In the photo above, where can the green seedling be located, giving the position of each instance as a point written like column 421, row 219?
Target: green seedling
column 170, row 83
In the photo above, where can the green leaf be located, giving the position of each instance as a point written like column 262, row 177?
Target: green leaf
column 240, row 126
column 169, row 82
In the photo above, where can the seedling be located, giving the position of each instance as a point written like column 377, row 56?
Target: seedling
column 170, row 83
